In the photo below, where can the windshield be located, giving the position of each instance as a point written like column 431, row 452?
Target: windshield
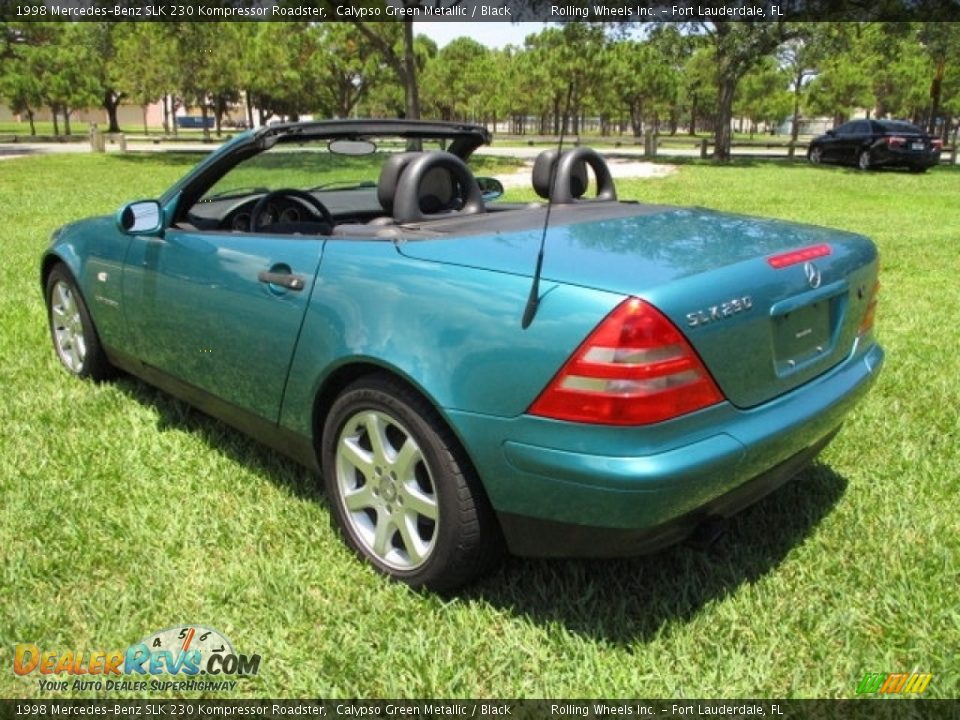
column 306, row 166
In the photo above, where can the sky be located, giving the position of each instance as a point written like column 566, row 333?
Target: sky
column 491, row 34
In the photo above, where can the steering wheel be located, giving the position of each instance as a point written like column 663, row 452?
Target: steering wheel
column 318, row 207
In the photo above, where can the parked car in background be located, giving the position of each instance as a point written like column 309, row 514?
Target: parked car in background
column 871, row 144
column 673, row 366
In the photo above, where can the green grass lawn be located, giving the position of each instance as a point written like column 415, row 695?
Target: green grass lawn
column 123, row 512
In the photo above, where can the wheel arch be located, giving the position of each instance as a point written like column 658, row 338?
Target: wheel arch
column 345, row 374
column 51, row 260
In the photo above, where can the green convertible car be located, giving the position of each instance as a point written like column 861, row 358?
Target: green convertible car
column 573, row 376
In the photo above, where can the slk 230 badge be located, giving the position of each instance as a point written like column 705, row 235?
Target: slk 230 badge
column 721, row 311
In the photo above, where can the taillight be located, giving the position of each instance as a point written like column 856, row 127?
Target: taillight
column 895, row 140
column 937, row 144
column 635, row 368
column 798, row 256
column 866, row 325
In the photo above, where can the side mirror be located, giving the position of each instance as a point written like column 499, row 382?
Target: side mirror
column 831, row 133
column 144, row 217
column 491, row 188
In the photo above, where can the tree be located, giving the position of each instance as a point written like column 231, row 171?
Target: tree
column 346, row 68
column 65, row 80
column 801, row 57
column 99, row 40
column 642, row 77
column 456, row 80
column 699, row 86
column 845, row 80
column 762, row 95
column 738, row 47
column 941, row 42
column 146, row 64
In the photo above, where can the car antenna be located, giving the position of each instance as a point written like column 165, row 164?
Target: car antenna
column 533, row 300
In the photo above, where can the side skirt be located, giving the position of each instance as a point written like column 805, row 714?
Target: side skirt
column 287, row 442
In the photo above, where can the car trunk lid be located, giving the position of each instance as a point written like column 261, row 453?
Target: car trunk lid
column 761, row 330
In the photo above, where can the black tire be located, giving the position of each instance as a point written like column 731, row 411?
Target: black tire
column 815, row 155
column 75, row 339
column 459, row 542
column 864, row 161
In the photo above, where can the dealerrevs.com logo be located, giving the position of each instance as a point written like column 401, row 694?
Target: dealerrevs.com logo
column 184, row 652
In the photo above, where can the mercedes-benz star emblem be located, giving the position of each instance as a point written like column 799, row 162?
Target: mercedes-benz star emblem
column 813, row 274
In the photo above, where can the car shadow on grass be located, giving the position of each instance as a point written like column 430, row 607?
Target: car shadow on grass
column 633, row 600
column 621, row 601
column 224, row 439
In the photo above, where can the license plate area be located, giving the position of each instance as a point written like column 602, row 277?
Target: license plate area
column 805, row 329
column 916, row 146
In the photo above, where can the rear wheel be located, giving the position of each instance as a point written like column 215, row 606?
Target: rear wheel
column 864, row 162
column 815, row 156
column 71, row 329
column 400, row 489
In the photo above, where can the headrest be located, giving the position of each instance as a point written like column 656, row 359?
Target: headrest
column 543, row 167
column 390, row 174
column 430, row 183
column 437, row 190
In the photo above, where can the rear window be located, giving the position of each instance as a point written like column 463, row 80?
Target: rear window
column 895, row 126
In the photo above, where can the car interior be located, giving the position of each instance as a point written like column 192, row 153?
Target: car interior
column 430, row 193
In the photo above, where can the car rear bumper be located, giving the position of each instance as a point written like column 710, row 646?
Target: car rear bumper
column 894, row 156
column 546, row 538
column 561, row 494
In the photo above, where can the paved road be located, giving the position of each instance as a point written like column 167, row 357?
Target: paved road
column 11, row 150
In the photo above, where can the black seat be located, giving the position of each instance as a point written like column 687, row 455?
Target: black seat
column 434, row 185
column 571, row 180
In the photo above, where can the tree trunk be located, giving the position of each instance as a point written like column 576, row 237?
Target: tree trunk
column 146, row 130
column 721, row 134
column 56, row 122
column 246, row 95
column 203, row 114
column 111, row 101
column 166, row 114
column 174, row 105
column 33, row 129
column 636, row 117
column 693, row 116
column 795, row 124
column 66, row 121
column 410, row 69
column 936, row 92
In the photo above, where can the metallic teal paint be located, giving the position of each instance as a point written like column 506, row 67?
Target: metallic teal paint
column 444, row 315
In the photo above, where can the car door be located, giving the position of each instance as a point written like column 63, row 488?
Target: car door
column 859, row 137
column 221, row 311
column 833, row 149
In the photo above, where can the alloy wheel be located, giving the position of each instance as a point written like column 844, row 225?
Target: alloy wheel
column 386, row 489
column 67, row 327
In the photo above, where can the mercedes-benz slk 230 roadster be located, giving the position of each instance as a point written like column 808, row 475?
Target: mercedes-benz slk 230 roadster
column 655, row 369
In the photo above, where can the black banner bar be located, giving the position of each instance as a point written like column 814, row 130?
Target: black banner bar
column 479, row 10
column 202, row 709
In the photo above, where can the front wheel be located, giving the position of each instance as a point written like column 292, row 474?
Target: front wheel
column 864, row 162
column 815, row 156
column 400, row 489
column 71, row 329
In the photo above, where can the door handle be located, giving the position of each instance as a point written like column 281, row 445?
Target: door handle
column 287, row 280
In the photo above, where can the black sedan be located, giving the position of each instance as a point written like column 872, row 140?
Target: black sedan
column 877, row 143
